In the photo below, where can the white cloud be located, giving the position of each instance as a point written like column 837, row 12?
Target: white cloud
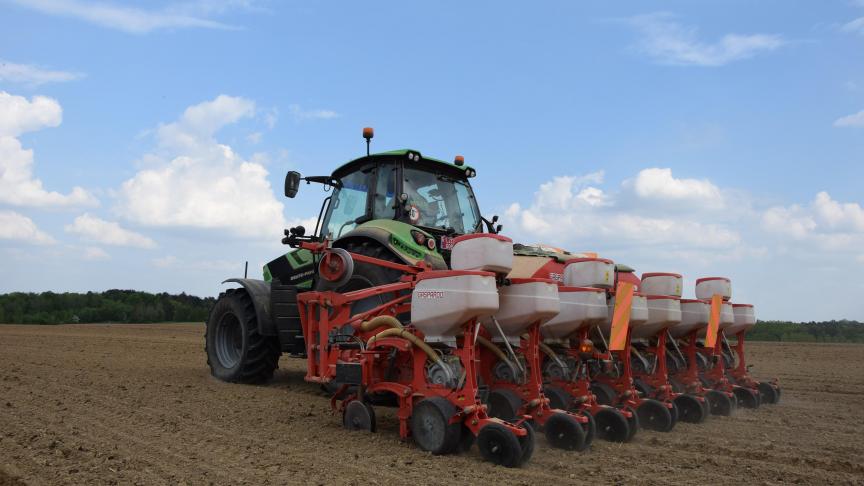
column 567, row 211
column 17, row 185
column 92, row 228
column 838, row 216
column 825, row 221
column 299, row 114
column 197, row 182
column 94, row 253
column 855, row 26
column 17, row 227
column 823, row 225
column 669, row 42
column 19, row 115
column 254, row 138
column 853, row 120
column 33, row 75
column 657, row 183
column 128, row 19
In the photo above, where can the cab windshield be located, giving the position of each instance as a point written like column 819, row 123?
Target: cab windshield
column 439, row 201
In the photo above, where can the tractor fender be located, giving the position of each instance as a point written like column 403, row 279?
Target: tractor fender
column 388, row 239
column 259, row 290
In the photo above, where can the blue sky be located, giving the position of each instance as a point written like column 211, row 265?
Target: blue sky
column 144, row 145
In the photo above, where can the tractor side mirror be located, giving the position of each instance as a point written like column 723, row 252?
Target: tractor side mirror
column 292, row 183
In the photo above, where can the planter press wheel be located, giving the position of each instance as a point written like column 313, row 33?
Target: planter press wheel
column 746, row 397
column 558, row 398
column 431, row 427
column 719, row 403
column 500, row 446
column 527, row 442
column 605, row 394
column 654, row 415
column 590, row 428
column 504, row 404
column 690, row 409
column 767, row 393
column 359, row 416
column 633, row 423
column 563, row 431
column 612, row 425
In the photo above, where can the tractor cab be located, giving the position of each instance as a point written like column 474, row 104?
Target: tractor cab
column 406, row 205
column 402, row 185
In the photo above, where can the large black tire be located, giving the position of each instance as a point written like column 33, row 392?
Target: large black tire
column 236, row 351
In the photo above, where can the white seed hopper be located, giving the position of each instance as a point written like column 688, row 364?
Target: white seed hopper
column 745, row 318
column 589, row 272
column 659, row 283
column 443, row 301
column 694, row 317
column 484, row 252
column 707, row 287
column 522, row 303
column 663, row 312
column 638, row 314
column 580, row 307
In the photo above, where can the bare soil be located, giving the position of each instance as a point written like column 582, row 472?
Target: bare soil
column 135, row 404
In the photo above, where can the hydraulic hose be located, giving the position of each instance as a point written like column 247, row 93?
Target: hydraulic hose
column 498, row 354
column 380, row 321
column 404, row 334
column 549, row 352
column 416, row 341
column 491, row 347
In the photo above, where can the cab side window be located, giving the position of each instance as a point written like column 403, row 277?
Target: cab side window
column 349, row 204
column 384, row 197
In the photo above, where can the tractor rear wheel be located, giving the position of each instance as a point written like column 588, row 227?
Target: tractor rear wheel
column 236, row 351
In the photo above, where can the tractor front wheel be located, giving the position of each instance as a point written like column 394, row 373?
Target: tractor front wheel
column 236, row 351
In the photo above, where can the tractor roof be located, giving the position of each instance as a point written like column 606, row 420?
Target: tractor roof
column 347, row 167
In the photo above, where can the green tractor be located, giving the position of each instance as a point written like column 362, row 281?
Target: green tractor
column 398, row 206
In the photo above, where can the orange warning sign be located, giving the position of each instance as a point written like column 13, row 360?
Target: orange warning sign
column 621, row 316
column 713, row 321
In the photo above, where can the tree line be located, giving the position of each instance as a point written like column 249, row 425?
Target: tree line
column 126, row 306
column 843, row 331
column 123, row 306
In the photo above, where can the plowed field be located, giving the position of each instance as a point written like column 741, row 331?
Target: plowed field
column 135, row 404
